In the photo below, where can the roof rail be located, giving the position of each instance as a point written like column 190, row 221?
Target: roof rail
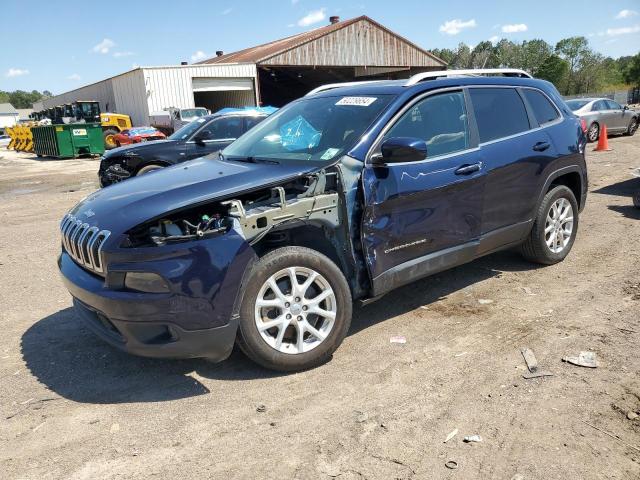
column 331, row 86
column 507, row 72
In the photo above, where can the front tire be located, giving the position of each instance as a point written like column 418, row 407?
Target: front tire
column 109, row 141
column 148, row 168
column 636, row 199
column 554, row 229
column 633, row 126
column 295, row 311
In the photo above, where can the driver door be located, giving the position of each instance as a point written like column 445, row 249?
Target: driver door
column 423, row 217
column 214, row 136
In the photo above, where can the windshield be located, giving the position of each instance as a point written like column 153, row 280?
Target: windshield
column 193, row 113
column 187, row 130
column 317, row 129
column 576, row 104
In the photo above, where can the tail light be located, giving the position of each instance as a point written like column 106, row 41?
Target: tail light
column 583, row 124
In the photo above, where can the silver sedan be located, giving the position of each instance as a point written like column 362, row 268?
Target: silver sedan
column 597, row 112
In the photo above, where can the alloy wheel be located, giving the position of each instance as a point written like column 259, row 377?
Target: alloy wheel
column 295, row 310
column 593, row 132
column 559, row 225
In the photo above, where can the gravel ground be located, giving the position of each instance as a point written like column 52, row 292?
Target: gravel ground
column 72, row 407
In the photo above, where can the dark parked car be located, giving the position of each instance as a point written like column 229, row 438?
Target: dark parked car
column 596, row 112
column 201, row 137
column 344, row 194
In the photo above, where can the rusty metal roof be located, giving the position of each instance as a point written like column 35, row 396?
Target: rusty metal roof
column 265, row 51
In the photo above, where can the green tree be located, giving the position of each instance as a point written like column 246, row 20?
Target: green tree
column 573, row 50
column 553, row 69
column 533, row 55
column 631, row 73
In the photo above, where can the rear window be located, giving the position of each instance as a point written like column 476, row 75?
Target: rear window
column 543, row 110
column 499, row 112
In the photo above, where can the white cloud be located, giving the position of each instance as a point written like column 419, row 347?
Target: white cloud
column 453, row 27
column 514, row 28
column 494, row 39
column 614, row 32
column 226, row 11
column 16, row 72
column 104, row 46
column 199, row 55
column 312, row 17
column 122, row 54
column 75, row 77
column 626, row 14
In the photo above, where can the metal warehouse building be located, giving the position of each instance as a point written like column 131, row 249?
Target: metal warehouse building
column 270, row 74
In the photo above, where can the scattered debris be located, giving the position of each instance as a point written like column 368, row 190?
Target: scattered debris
column 528, row 291
column 613, row 436
column 273, row 424
column 451, row 435
column 530, row 359
column 38, row 427
column 398, row 339
column 115, row 428
column 460, row 354
column 26, row 401
column 584, row 359
column 451, row 465
column 532, row 365
column 517, row 476
column 472, row 439
column 484, row 301
column 261, row 408
column 362, row 417
column 632, row 415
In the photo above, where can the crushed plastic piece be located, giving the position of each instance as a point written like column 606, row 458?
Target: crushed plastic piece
column 584, row 359
column 398, row 339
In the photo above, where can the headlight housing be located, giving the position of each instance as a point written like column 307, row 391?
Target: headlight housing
column 146, row 282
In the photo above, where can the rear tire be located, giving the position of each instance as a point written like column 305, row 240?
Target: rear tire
column 593, row 133
column 109, row 142
column 636, row 199
column 299, row 338
column 554, row 228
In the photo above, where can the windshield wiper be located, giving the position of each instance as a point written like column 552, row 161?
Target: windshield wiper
column 249, row 159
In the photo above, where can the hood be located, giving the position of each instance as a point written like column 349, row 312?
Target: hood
column 124, row 205
column 138, row 148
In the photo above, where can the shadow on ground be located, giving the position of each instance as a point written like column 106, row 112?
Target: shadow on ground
column 626, row 188
column 69, row 360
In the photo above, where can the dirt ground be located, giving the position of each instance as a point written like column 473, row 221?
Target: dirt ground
column 73, row 407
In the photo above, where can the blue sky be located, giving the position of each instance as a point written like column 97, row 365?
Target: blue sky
column 61, row 45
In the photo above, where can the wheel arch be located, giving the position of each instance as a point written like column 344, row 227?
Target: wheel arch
column 570, row 177
column 160, row 163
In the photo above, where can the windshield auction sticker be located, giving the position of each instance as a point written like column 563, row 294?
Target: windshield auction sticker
column 356, row 101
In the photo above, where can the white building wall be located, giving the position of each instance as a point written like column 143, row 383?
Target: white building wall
column 100, row 91
column 173, row 86
column 131, row 96
column 8, row 120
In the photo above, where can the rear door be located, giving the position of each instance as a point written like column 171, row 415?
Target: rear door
column 515, row 149
column 422, row 217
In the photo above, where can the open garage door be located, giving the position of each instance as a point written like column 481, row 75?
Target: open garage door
column 218, row 93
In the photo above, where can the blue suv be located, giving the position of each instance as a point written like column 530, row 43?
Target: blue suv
column 342, row 195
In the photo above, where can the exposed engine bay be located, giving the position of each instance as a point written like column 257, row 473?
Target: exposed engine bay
column 254, row 215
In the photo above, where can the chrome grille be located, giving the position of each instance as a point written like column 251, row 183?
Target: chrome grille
column 83, row 242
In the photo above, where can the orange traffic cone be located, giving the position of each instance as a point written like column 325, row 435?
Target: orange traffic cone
column 603, row 141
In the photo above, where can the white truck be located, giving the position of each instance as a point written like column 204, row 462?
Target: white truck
column 171, row 119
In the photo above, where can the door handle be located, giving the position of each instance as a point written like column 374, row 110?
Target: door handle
column 467, row 169
column 541, row 146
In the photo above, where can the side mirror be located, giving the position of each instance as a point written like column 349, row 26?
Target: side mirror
column 626, row 107
column 401, row 149
column 199, row 139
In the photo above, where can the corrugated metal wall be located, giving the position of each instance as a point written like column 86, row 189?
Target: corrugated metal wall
column 131, row 97
column 172, row 86
column 359, row 44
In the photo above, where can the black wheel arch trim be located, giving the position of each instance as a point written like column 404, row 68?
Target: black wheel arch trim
column 559, row 173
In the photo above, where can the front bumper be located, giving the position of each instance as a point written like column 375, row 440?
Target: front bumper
column 196, row 318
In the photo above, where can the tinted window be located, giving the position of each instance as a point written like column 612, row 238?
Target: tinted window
column 252, row 121
column 499, row 112
column 222, row 128
column 439, row 120
column 613, row 105
column 543, row 110
column 599, row 105
column 576, row 104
